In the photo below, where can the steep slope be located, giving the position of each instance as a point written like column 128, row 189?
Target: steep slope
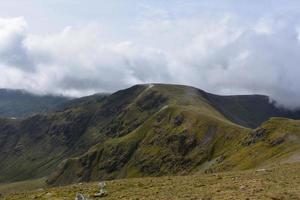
column 78, row 102
column 32, row 147
column 275, row 141
column 173, row 141
column 19, row 103
column 160, row 148
column 140, row 131
column 186, row 135
column 249, row 110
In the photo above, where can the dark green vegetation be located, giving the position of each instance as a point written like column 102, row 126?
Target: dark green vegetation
column 249, row 110
column 19, row 103
column 148, row 130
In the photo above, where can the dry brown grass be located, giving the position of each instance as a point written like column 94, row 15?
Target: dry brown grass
column 281, row 182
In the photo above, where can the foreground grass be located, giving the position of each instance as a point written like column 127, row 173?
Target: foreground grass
column 282, row 182
column 22, row 186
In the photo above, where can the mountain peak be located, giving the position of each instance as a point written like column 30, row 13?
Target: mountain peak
column 149, row 129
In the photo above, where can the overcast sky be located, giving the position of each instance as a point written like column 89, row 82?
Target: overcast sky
column 77, row 47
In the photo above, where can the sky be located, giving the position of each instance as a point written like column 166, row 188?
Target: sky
column 77, row 48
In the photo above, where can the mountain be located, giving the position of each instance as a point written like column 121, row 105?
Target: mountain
column 20, row 103
column 249, row 110
column 148, row 130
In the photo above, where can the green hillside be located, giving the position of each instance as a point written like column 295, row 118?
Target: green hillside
column 147, row 130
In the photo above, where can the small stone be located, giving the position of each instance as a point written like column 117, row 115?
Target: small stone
column 242, row 187
column 261, row 170
column 100, row 195
column 79, row 196
column 48, row 194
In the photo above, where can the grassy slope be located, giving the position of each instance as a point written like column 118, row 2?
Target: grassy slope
column 161, row 143
column 187, row 135
column 33, row 147
column 22, row 186
column 275, row 141
column 141, row 131
column 281, row 182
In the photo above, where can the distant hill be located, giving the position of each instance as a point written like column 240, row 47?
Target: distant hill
column 20, row 103
column 249, row 110
column 147, row 130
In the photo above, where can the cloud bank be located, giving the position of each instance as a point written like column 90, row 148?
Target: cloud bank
column 218, row 54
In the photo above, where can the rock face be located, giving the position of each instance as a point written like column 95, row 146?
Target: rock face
column 141, row 131
column 256, row 136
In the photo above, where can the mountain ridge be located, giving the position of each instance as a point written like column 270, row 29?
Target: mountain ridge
column 21, row 103
column 145, row 130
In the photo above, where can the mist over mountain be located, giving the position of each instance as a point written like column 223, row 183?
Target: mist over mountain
column 158, row 100
column 20, row 103
column 225, row 53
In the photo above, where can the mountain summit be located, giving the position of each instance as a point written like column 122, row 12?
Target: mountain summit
column 148, row 130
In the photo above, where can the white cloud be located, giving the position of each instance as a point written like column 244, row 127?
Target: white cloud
column 226, row 56
column 78, row 61
column 12, row 49
column 220, row 55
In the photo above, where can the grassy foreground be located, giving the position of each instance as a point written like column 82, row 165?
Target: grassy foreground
column 281, row 182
